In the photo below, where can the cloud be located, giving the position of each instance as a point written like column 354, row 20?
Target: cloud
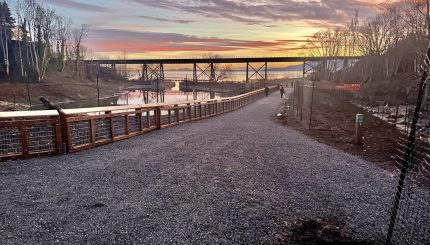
column 77, row 5
column 166, row 20
column 112, row 40
column 266, row 12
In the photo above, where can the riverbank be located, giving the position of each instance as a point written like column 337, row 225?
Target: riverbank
column 57, row 89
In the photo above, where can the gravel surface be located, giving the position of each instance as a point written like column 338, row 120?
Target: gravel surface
column 238, row 178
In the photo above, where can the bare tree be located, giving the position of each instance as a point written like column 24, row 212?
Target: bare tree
column 6, row 23
column 327, row 43
column 422, row 7
column 78, row 35
column 220, row 72
column 63, row 34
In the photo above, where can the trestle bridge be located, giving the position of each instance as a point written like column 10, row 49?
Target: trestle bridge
column 204, row 69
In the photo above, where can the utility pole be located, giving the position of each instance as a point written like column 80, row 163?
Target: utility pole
column 98, row 91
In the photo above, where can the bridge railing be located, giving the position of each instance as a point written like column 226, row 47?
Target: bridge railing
column 29, row 134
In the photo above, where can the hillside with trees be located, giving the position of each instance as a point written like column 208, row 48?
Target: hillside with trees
column 41, row 55
column 393, row 43
column 36, row 39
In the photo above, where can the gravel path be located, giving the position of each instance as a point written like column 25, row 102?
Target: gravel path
column 232, row 179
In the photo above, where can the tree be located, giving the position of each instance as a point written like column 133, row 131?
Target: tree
column 423, row 8
column 63, row 34
column 6, row 24
column 327, row 43
column 78, row 35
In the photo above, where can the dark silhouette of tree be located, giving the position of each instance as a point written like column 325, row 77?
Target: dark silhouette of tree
column 7, row 22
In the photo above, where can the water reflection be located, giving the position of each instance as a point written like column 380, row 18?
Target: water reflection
column 172, row 95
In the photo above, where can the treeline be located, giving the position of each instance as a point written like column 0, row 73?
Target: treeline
column 35, row 38
column 393, row 42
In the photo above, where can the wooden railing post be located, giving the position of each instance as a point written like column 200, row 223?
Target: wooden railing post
column 65, row 132
column 139, row 115
column 177, row 114
column 158, row 117
column 148, row 118
column 93, row 131
column 24, row 139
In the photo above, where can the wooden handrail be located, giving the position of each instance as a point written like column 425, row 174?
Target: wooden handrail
column 24, row 114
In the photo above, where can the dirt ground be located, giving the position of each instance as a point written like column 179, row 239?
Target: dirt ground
column 334, row 124
column 315, row 232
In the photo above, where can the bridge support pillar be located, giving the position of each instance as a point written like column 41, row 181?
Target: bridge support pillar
column 304, row 68
column 260, row 73
column 247, row 71
column 151, row 72
column 307, row 70
column 195, row 78
column 203, row 73
column 265, row 71
column 211, row 80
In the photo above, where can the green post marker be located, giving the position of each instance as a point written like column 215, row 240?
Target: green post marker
column 359, row 134
column 359, row 119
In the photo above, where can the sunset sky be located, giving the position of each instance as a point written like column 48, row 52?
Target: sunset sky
column 190, row 28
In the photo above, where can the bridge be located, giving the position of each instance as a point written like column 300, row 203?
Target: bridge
column 204, row 68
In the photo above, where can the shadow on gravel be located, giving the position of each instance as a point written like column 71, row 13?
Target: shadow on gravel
column 315, row 232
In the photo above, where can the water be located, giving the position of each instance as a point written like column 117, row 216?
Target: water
column 173, row 95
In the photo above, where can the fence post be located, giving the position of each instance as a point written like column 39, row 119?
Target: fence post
column 312, row 104
column 294, row 94
column 301, row 102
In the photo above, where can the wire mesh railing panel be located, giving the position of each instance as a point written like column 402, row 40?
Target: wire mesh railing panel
column 199, row 111
column 206, row 110
column 181, row 115
column 165, row 118
column 193, row 110
column 41, row 138
column 103, row 129
column 187, row 114
column 173, row 116
column 153, row 120
column 10, row 141
column 119, row 125
column 134, row 124
column 80, row 132
column 144, row 120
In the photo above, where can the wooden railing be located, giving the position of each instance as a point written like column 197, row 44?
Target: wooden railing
column 34, row 134
column 28, row 134
column 92, row 127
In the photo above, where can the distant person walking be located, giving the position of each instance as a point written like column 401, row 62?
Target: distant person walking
column 282, row 91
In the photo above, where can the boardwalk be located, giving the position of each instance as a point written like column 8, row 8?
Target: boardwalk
column 232, row 179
